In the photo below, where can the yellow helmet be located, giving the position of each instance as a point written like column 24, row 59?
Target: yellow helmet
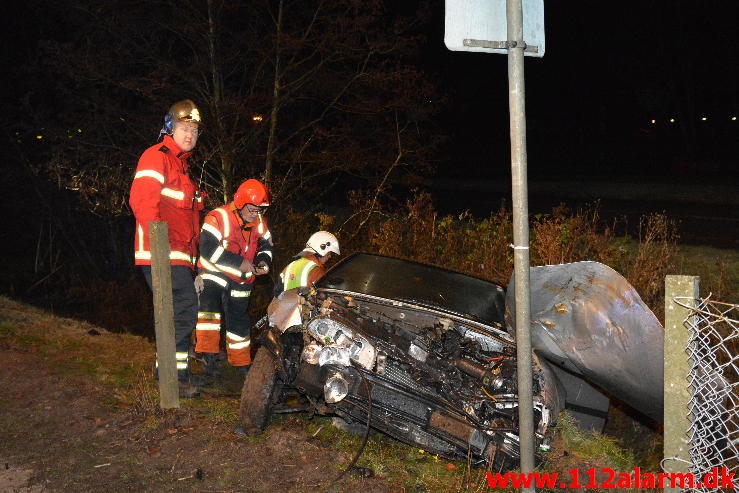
column 181, row 111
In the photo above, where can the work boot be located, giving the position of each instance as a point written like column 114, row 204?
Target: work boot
column 188, row 390
column 212, row 366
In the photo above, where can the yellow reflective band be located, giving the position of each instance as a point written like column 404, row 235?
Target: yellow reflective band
column 174, row 194
column 235, row 338
column 181, row 355
column 238, row 345
column 268, row 252
column 221, row 282
column 240, row 294
column 213, row 230
column 226, row 223
column 207, row 326
column 150, row 173
column 306, row 271
column 145, row 255
column 182, row 365
column 267, row 235
column 174, row 255
column 141, row 238
column 230, row 270
column 217, row 254
column 209, row 315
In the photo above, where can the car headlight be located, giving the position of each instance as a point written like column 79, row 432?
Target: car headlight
column 341, row 344
column 335, row 388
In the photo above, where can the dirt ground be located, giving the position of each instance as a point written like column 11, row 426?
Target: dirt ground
column 71, row 420
column 79, row 411
column 61, row 433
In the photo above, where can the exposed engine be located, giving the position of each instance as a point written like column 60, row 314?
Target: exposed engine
column 423, row 378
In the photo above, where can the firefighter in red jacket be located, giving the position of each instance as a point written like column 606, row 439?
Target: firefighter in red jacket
column 162, row 190
column 235, row 248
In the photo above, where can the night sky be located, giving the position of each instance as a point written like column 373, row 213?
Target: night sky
column 590, row 101
column 607, row 73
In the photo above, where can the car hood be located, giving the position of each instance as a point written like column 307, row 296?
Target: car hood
column 587, row 319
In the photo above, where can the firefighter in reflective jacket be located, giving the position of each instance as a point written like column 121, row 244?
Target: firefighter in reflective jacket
column 163, row 191
column 309, row 266
column 235, row 247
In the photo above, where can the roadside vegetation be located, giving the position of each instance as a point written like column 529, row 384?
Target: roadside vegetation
column 113, row 434
column 119, row 364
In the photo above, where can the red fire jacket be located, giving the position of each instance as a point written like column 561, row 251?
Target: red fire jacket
column 163, row 191
column 225, row 242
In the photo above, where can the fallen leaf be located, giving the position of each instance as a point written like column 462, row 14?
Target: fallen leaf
column 172, row 431
column 450, row 467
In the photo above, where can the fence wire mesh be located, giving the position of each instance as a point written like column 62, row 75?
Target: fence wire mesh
column 713, row 351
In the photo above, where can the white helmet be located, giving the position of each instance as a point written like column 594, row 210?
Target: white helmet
column 323, row 242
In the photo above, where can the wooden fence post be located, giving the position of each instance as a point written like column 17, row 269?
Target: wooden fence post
column 677, row 368
column 161, row 286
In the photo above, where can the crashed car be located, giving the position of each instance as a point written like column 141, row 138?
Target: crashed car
column 425, row 355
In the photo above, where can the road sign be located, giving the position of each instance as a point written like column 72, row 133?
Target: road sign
column 480, row 26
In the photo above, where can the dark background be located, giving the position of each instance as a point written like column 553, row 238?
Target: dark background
column 610, row 68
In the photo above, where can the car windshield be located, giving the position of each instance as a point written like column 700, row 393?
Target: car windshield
column 403, row 280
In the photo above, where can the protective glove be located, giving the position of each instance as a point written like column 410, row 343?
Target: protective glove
column 261, row 268
column 199, row 284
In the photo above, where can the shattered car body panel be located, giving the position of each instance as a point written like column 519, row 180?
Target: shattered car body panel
column 588, row 320
column 420, row 353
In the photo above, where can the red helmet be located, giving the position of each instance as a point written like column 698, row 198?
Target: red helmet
column 251, row 192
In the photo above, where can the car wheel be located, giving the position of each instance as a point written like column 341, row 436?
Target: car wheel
column 256, row 394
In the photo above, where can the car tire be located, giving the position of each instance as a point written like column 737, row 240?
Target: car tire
column 256, row 394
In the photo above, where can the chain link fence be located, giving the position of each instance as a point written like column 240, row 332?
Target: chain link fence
column 713, row 351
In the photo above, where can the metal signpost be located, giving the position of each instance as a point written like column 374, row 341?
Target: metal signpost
column 515, row 28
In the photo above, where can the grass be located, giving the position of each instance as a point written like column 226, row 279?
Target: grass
column 479, row 247
column 717, row 268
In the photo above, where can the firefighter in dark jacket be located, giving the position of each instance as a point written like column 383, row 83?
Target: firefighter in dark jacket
column 309, row 265
column 235, row 248
column 163, row 191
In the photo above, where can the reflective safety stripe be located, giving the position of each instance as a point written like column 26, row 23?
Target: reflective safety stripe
column 174, row 194
column 173, row 255
column 240, row 294
column 222, row 268
column 222, row 282
column 231, row 270
column 209, row 315
column 181, row 358
column 267, row 235
column 217, row 254
column 296, row 273
column 213, row 230
column 181, row 365
column 226, row 223
column 141, row 239
column 208, row 326
column 237, row 342
column 150, row 173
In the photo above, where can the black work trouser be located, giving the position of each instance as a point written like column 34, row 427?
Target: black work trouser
column 185, row 307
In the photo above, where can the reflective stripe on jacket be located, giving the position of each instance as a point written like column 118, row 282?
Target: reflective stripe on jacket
column 301, row 272
column 163, row 191
column 225, row 243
